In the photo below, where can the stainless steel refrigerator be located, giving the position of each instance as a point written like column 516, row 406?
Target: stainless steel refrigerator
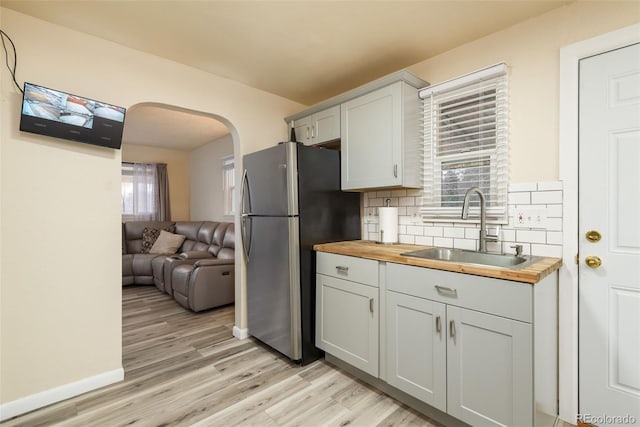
column 291, row 200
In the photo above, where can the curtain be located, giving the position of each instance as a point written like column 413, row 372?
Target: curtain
column 145, row 192
column 163, row 207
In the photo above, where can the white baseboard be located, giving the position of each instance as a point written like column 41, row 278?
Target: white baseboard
column 241, row 334
column 58, row 394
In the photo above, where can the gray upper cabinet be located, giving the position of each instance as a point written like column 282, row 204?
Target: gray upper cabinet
column 380, row 139
column 378, row 125
column 318, row 128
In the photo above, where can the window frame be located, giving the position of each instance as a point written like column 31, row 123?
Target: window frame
column 228, row 185
column 431, row 208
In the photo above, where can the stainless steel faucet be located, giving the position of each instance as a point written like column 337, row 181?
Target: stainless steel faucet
column 483, row 215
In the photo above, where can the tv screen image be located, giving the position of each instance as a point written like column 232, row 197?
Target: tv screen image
column 62, row 115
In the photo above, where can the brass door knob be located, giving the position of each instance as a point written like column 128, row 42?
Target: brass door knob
column 593, row 261
column 593, row 236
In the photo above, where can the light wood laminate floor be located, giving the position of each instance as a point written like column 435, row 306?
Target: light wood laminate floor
column 183, row 369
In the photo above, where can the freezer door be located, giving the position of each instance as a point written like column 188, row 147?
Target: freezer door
column 273, row 284
column 270, row 183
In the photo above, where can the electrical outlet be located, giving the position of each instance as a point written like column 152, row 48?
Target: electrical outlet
column 530, row 217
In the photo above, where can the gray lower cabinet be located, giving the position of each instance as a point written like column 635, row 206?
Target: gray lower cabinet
column 489, row 369
column 347, row 311
column 416, row 348
column 449, row 357
column 482, row 350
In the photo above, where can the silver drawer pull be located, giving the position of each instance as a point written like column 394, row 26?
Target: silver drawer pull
column 342, row 269
column 452, row 328
column 371, row 305
column 438, row 325
column 446, row 289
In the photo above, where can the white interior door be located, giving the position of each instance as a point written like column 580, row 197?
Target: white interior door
column 609, row 206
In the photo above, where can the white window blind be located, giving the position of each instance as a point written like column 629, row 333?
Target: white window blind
column 465, row 145
column 139, row 191
column 228, row 185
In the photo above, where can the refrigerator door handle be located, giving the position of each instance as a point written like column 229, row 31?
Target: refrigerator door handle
column 243, row 192
column 244, row 215
column 246, row 246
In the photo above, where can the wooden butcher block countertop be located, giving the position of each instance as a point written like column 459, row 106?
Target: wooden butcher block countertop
column 391, row 253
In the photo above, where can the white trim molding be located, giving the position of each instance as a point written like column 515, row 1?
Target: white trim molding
column 570, row 57
column 58, row 394
column 240, row 333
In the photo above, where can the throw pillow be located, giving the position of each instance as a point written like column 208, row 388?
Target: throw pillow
column 167, row 243
column 149, row 237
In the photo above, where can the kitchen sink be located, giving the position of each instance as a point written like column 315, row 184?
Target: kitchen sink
column 474, row 257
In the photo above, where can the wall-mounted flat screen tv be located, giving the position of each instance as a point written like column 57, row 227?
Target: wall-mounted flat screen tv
column 62, row 115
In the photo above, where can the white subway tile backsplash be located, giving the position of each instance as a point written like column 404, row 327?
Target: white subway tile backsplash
column 554, row 211
column 416, row 230
column 547, row 250
column 508, row 234
column 443, row 241
column 433, row 231
column 531, row 236
column 545, row 239
column 554, row 237
column 424, row 240
column 520, row 198
column 464, row 244
column 453, row 232
column 546, row 197
column 471, row 233
column 554, row 224
column 550, row 185
column 525, row 186
column 407, row 238
column 494, row 246
column 407, row 201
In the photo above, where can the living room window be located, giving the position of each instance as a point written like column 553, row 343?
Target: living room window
column 465, row 145
column 229, row 185
column 145, row 192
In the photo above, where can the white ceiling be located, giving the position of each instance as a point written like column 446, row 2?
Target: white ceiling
column 305, row 51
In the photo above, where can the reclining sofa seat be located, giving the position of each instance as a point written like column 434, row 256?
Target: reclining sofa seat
column 201, row 243
column 136, row 266
column 208, row 282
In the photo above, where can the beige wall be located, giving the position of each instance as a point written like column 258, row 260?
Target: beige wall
column 177, row 167
column 207, row 196
column 532, row 51
column 60, row 265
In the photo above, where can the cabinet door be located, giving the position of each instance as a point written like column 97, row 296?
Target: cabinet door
column 489, row 369
column 303, row 130
column 347, row 321
column 416, row 348
column 326, row 125
column 371, row 139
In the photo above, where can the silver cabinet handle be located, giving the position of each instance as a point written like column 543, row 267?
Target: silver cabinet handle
column 438, row 325
column 307, row 133
column 452, row 328
column 395, row 170
column 371, row 305
column 447, row 289
column 342, row 269
column 313, row 131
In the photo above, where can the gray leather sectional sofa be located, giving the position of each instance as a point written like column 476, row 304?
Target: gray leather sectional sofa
column 199, row 276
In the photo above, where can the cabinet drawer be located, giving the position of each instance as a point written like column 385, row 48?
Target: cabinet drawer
column 495, row 296
column 349, row 268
